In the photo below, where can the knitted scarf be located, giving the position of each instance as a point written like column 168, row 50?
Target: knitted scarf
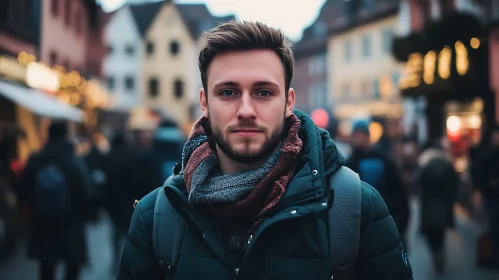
column 246, row 195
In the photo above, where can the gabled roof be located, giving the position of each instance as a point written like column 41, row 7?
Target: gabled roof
column 198, row 19
column 145, row 14
column 314, row 38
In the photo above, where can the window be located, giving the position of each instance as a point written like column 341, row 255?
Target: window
column 174, row 48
column 347, row 50
column 366, row 46
column 150, row 47
column 386, row 41
column 67, row 12
column 178, row 89
column 110, row 82
column 317, row 65
column 54, row 7
column 130, row 50
column 153, row 87
column 129, row 83
column 53, row 58
column 376, row 89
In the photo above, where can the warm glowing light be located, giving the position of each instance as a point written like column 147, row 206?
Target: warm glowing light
column 462, row 62
column 320, row 118
column 444, row 62
column 41, row 77
column 430, row 60
column 475, row 121
column 453, row 123
column 375, row 131
column 475, row 43
column 22, row 58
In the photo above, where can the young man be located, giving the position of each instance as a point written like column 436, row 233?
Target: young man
column 253, row 198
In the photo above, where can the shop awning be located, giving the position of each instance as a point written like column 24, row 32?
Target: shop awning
column 39, row 102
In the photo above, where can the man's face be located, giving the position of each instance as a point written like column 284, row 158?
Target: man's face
column 360, row 141
column 246, row 103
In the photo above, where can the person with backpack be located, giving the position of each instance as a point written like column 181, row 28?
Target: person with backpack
column 375, row 167
column 55, row 185
column 261, row 191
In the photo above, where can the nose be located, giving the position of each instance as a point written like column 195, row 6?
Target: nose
column 246, row 108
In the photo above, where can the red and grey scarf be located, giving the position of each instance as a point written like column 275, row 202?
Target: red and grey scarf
column 247, row 195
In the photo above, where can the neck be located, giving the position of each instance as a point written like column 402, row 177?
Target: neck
column 230, row 166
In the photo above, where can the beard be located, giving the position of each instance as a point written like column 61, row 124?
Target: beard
column 247, row 156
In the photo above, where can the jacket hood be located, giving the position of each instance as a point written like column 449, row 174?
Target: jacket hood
column 320, row 158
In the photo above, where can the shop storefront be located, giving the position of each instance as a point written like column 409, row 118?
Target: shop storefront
column 32, row 94
column 448, row 64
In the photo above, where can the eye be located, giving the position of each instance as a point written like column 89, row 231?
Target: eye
column 227, row 92
column 264, row 93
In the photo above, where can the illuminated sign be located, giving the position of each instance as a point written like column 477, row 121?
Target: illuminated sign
column 425, row 68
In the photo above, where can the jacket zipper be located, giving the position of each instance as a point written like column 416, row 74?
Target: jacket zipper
column 252, row 238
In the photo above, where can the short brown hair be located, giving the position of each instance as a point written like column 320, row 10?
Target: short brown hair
column 242, row 36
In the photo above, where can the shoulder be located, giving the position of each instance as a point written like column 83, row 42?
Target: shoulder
column 373, row 204
column 140, row 231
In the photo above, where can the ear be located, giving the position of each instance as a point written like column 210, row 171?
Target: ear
column 203, row 102
column 290, row 103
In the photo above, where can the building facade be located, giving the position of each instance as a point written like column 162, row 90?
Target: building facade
column 122, row 64
column 170, row 77
column 311, row 67
column 363, row 73
column 64, row 37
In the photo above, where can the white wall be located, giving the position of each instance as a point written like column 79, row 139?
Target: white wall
column 121, row 32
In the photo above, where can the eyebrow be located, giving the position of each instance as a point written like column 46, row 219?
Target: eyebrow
column 257, row 84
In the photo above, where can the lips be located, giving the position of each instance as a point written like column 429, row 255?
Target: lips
column 246, row 130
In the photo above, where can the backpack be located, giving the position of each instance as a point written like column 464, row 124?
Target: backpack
column 344, row 220
column 51, row 195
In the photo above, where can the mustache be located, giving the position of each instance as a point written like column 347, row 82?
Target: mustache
column 246, row 125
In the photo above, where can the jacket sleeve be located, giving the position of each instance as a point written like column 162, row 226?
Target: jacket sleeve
column 381, row 253
column 137, row 260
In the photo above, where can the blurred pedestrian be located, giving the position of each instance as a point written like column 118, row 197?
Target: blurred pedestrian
column 439, row 183
column 120, row 166
column 166, row 151
column 380, row 171
column 55, row 184
column 487, row 183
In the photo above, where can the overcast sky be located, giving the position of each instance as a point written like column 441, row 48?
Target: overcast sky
column 292, row 16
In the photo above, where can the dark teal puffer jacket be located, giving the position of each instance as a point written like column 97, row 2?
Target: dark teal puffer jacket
column 283, row 247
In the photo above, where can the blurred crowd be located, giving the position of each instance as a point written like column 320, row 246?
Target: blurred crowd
column 108, row 175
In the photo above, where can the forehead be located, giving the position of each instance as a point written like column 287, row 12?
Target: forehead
column 246, row 67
